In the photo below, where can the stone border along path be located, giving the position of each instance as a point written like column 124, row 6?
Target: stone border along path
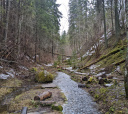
column 78, row 100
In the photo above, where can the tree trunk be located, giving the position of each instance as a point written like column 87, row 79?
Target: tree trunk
column 112, row 16
column 7, row 21
column 126, row 70
column 52, row 50
column 19, row 36
column 36, row 44
column 117, row 26
column 106, row 42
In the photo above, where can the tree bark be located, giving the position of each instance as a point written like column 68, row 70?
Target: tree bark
column 112, row 16
column 126, row 70
column 117, row 26
column 106, row 41
column 7, row 21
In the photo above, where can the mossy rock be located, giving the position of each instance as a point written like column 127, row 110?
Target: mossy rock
column 49, row 78
column 40, row 77
column 57, row 107
column 43, row 77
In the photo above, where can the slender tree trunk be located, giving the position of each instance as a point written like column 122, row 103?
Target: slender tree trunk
column 112, row 16
column 106, row 41
column 117, row 26
column 36, row 44
column 19, row 35
column 52, row 50
column 126, row 73
column 7, row 22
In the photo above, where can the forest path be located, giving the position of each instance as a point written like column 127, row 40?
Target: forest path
column 78, row 100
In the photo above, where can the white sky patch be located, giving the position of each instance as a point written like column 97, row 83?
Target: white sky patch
column 64, row 9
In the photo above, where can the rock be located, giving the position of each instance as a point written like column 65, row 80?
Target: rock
column 84, row 79
column 51, row 85
column 44, row 77
column 101, row 81
column 81, row 85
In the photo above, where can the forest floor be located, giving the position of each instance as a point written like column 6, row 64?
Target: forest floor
column 19, row 92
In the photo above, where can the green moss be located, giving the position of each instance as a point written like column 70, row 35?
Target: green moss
column 96, row 96
column 49, row 78
column 115, row 50
column 41, row 77
column 92, row 80
column 34, row 69
column 117, row 54
column 112, row 59
column 58, row 108
column 103, row 90
column 111, row 109
column 10, row 83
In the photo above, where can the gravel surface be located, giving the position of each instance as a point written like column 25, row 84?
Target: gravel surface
column 78, row 100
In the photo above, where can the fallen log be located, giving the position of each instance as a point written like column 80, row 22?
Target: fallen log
column 105, row 56
column 43, row 96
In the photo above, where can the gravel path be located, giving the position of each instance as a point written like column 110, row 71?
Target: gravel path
column 79, row 101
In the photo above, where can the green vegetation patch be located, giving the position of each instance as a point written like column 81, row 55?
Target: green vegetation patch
column 57, row 107
column 44, row 77
column 111, row 99
column 6, row 86
column 34, row 69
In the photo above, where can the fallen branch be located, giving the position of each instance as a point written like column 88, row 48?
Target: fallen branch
column 120, row 62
